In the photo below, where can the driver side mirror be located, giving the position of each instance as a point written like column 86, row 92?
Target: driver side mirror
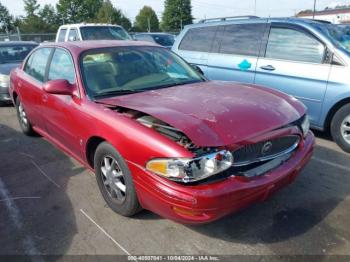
column 198, row 69
column 59, row 87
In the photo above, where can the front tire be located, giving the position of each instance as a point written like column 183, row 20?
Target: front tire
column 23, row 119
column 340, row 128
column 115, row 181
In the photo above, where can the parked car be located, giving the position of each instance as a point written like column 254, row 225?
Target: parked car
column 82, row 32
column 11, row 55
column 163, row 39
column 304, row 58
column 157, row 134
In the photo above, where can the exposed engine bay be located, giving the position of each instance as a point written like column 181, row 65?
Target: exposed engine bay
column 166, row 130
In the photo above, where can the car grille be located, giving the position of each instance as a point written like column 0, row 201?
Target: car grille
column 265, row 150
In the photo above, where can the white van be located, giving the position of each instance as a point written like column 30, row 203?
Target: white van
column 79, row 32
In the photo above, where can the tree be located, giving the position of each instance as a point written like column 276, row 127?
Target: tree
column 49, row 18
column 38, row 19
column 146, row 20
column 106, row 13
column 31, row 23
column 124, row 22
column 177, row 14
column 6, row 20
column 77, row 11
column 31, row 7
column 109, row 14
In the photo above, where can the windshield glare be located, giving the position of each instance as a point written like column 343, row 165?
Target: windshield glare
column 104, row 33
column 14, row 54
column 108, row 72
column 340, row 34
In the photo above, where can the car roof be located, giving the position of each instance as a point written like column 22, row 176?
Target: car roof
column 14, row 43
column 81, row 46
column 86, row 25
column 233, row 20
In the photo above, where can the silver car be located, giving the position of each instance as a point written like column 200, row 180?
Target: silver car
column 11, row 55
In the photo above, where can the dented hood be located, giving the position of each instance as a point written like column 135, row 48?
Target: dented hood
column 215, row 113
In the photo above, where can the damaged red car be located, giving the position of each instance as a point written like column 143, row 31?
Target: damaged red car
column 157, row 134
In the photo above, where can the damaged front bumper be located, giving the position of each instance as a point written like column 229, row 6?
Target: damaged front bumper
column 203, row 203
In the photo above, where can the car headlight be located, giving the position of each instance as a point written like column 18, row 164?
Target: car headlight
column 305, row 125
column 4, row 80
column 190, row 170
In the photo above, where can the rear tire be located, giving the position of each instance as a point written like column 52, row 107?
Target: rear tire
column 115, row 181
column 23, row 119
column 340, row 128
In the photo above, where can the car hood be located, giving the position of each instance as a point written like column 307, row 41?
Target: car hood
column 216, row 113
column 5, row 69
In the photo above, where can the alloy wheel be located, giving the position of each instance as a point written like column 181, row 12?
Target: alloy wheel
column 113, row 179
column 22, row 115
column 345, row 129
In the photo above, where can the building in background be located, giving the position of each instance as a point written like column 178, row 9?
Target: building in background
column 336, row 16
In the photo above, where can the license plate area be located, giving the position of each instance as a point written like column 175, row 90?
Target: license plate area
column 264, row 168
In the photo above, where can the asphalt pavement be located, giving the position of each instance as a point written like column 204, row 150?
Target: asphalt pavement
column 51, row 205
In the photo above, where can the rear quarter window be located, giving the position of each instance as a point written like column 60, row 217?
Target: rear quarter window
column 198, row 39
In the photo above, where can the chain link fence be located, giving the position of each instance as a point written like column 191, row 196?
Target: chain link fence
column 37, row 37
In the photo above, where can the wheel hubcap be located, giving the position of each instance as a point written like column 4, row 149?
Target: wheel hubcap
column 345, row 129
column 22, row 115
column 113, row 179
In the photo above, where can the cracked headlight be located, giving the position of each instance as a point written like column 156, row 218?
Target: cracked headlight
column 4, row 80
column 305, row 125
column 191, row 170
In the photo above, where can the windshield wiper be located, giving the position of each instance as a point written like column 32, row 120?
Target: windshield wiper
column 118, row 93
column 174, row 84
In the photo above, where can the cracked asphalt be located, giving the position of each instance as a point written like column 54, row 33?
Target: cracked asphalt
column 51, row 205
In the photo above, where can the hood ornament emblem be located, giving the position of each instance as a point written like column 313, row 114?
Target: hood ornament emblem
column 267, row 148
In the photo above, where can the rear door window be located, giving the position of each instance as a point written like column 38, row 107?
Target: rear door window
column 242, row 39
column 294, row 45
column 62, row 35
column 73, row 35
column 198, row 39
column 62, row 66
column 37, row 63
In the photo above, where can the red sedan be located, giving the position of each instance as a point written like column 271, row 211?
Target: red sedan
column 157, row 134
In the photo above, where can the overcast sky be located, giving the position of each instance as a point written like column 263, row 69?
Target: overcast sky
column 206, row 8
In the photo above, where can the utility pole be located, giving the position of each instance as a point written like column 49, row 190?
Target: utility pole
column 313, row 14
column 254, row 7
column 149, row 24
column 19, row 34
column 180, row 11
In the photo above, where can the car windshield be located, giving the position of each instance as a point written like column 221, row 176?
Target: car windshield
column 340, row 34
column 164, row 40
column 14, row 53
column 104, row 33
column 123, row 70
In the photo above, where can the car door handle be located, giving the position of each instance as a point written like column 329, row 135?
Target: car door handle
column 268, row 68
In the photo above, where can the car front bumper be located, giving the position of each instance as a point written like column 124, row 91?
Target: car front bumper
column 208, row 202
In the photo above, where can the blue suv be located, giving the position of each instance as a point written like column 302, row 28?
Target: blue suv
column 307, row 59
